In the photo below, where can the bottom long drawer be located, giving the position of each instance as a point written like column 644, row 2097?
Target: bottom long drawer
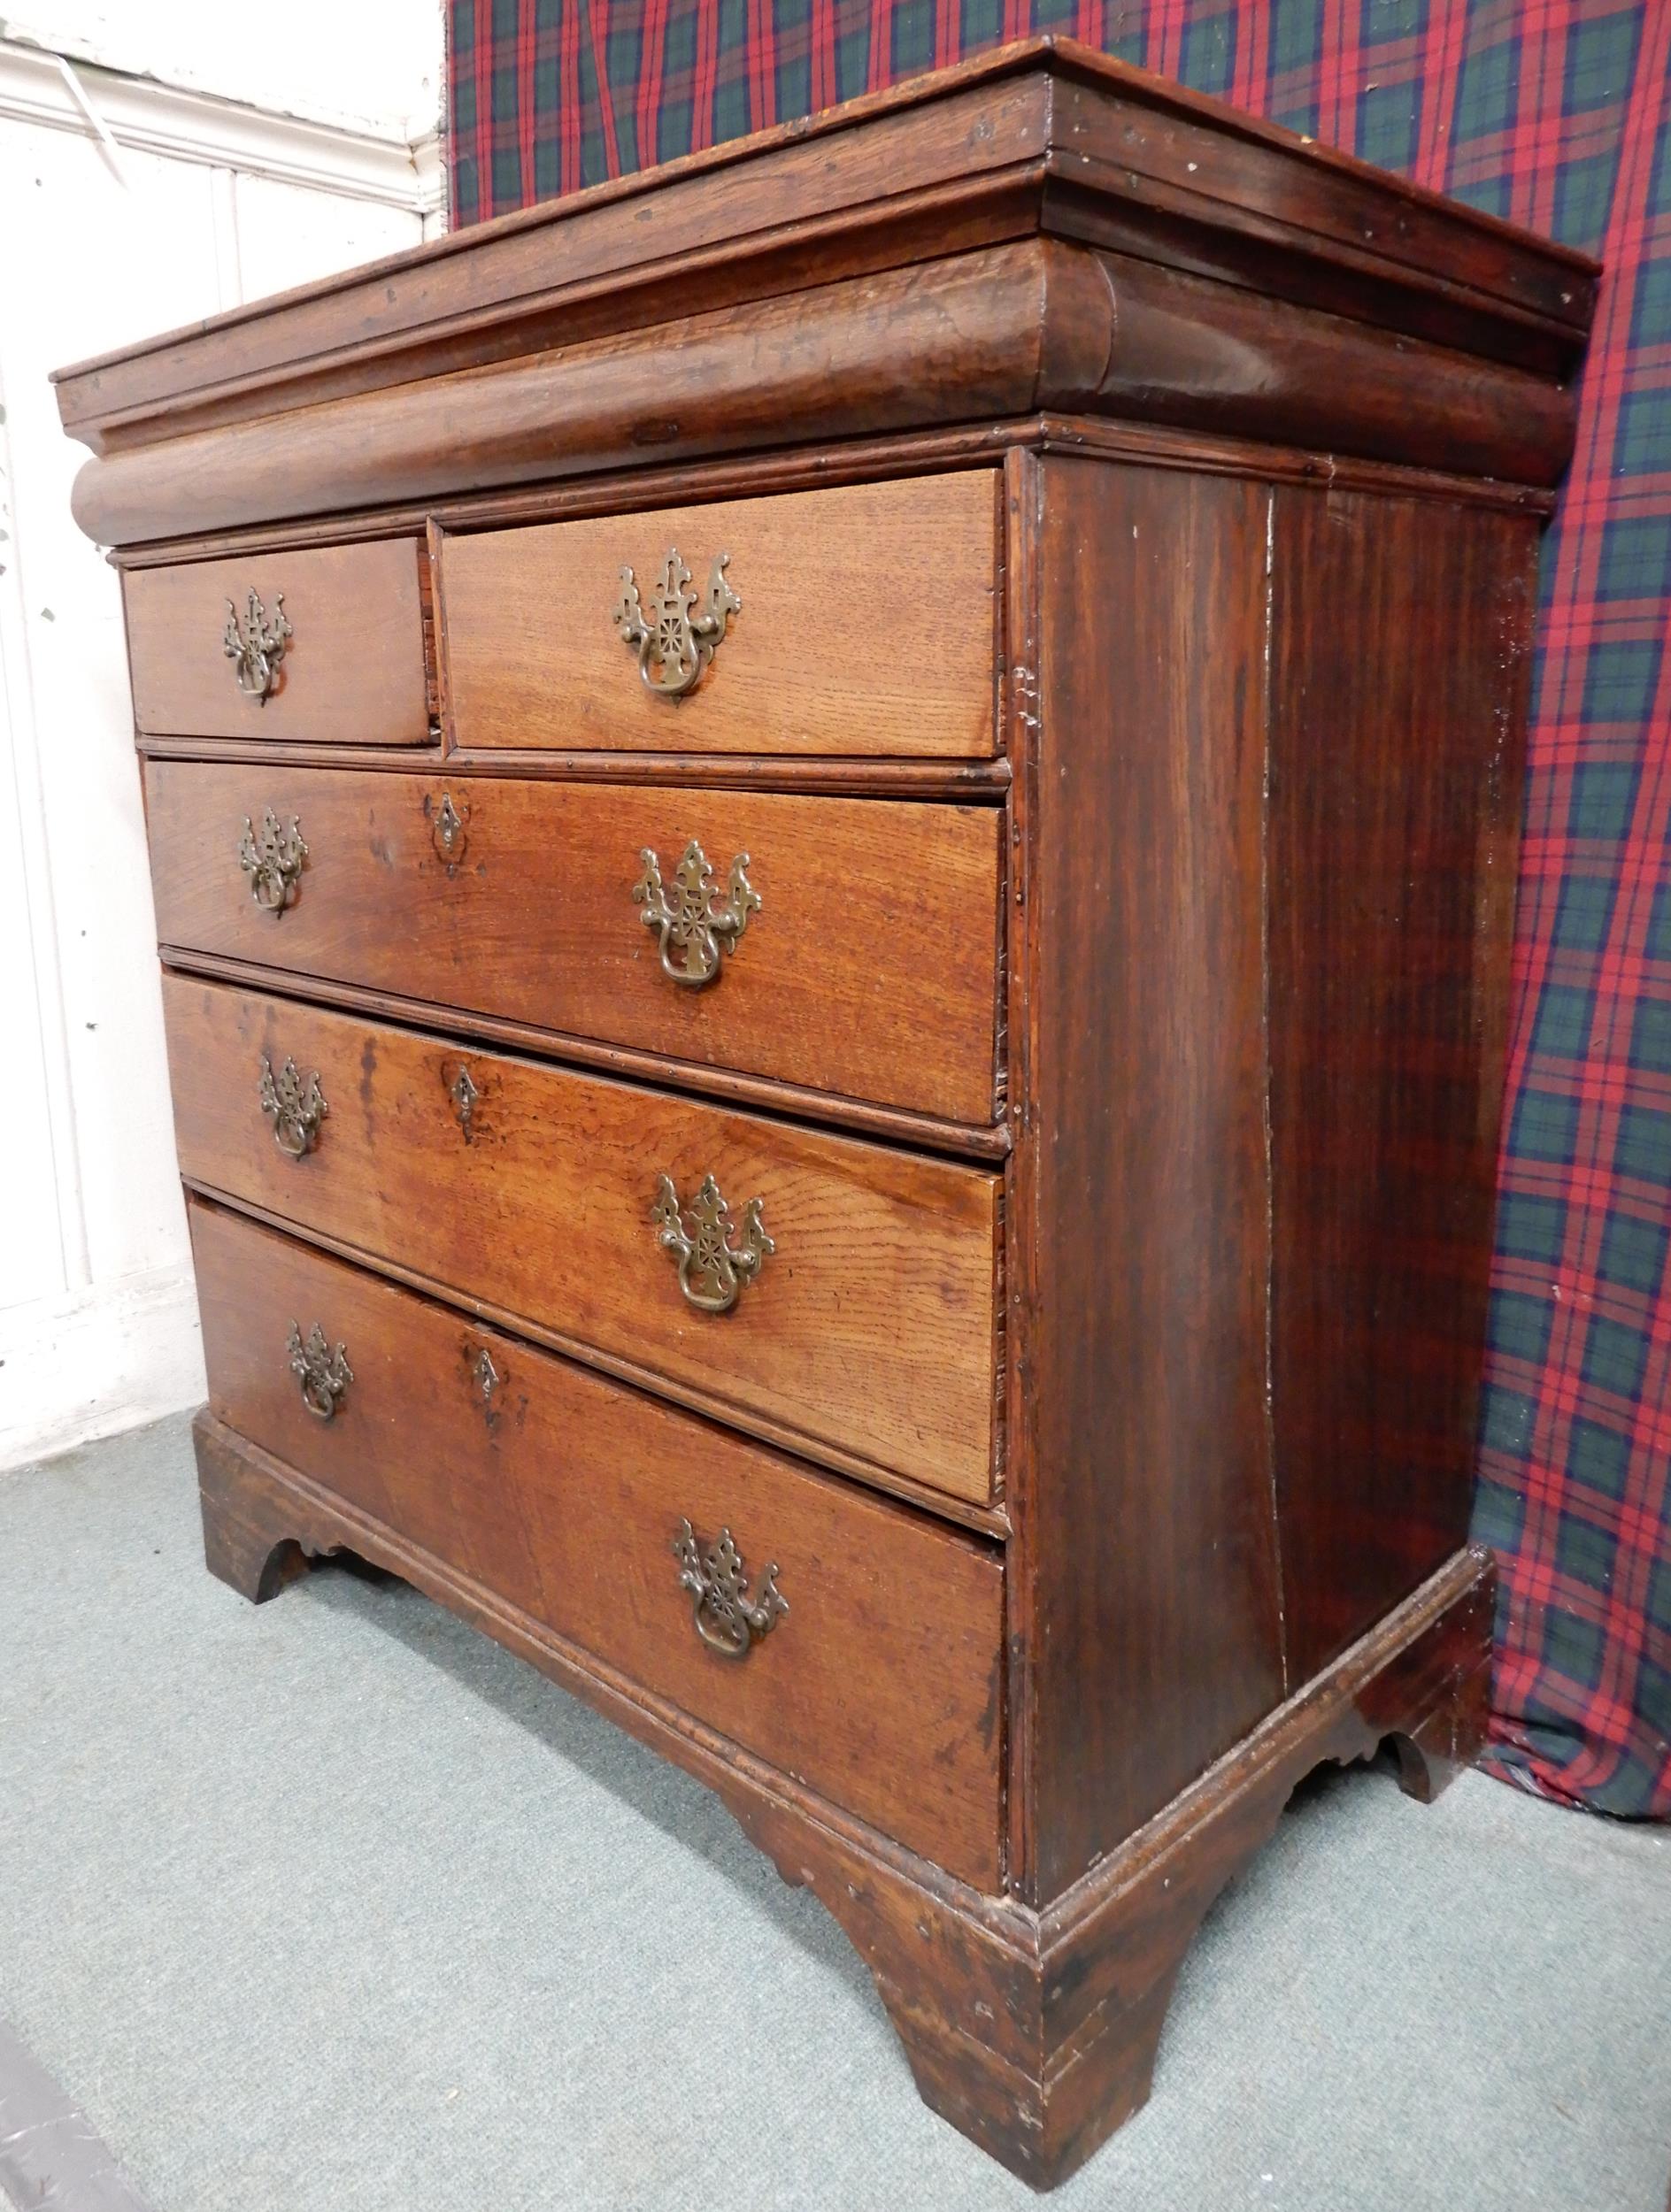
column 878, row 1684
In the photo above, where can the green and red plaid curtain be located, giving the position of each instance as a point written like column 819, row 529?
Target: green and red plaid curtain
column 1556, row 114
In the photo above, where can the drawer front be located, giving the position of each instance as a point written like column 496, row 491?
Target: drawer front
column 869, row 966
column 864, row 623
column 565, row 1493
column 867, row 1333
column 333, row 648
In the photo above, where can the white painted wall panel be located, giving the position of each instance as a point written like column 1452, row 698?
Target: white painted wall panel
column 286, row 235
column 194, row 206
column 372, row 63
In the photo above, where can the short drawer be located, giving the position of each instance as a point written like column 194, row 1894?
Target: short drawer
column 860, row 619
column 324, row 647
column 866, row 964
column 570, row 1496
column 867, row 1335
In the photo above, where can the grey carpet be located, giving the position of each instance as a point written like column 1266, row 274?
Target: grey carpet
column 330, row 1905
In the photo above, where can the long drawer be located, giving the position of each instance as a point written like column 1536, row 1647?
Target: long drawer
column 865, row 1335
column 866, row 966
column 321, row 647
column 567, row 1494
column 853, row 620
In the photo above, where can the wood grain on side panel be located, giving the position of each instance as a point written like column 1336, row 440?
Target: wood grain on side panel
column 1157, row 1640
column 1400, row 666
column 864, row 625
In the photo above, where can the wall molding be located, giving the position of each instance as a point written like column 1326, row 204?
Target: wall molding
column 152, row 117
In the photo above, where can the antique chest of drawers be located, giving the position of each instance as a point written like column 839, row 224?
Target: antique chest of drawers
column 834, row 835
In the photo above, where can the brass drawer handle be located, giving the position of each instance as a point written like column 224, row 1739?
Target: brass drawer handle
column 323, row 1374
column 295, row 1109
column 711, row 1268
column 727, row 1620
column 673, row 643
column 272, row 859
column 696, row 923
column 256, row 646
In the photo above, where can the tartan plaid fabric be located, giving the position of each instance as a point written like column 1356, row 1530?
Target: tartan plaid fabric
column 1556, row 114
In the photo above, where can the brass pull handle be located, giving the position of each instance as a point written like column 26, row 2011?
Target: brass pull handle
column 272, row 859
column 727, row 1620
column 255, row 645
column 324, row 1374
column 295, row 1109
column 697, row 923
column 674, row 642
column 711, row 1268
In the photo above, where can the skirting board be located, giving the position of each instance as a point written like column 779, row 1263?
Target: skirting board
column 104, row 1360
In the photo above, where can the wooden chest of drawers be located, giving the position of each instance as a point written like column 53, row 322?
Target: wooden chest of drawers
column 834, row 836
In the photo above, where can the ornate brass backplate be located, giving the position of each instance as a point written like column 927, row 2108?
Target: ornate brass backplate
column 727, row 1620
column 324, row 1374
column 697, row 924
column 711, row 1268
column 674, row 642
column 296, row 1108
column 255, row 645
column 272, row 859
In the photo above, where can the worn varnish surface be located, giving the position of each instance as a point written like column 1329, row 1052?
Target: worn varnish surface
column 871, row 967
column 1147, row 1456
column 353, row 673
column 1002, row 331
column 867, row 625
column 1401, row 659
column 870, row 1328
column 563, row 1492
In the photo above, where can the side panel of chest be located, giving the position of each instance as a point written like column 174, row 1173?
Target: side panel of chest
column 1400, row 667
column 1264, row 963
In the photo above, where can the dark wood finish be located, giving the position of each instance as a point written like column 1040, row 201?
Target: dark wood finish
column 915, row 453
column 1401, row 659
column 836, row 647
column 882, row 778
column 978, row 152
column 1034, row 2034
column 562, row 1494
column 355, row 671
column 869, row 970
column 1135, row 835
column 1142, row 1424
column 870, row 1328
column 1005, row 330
